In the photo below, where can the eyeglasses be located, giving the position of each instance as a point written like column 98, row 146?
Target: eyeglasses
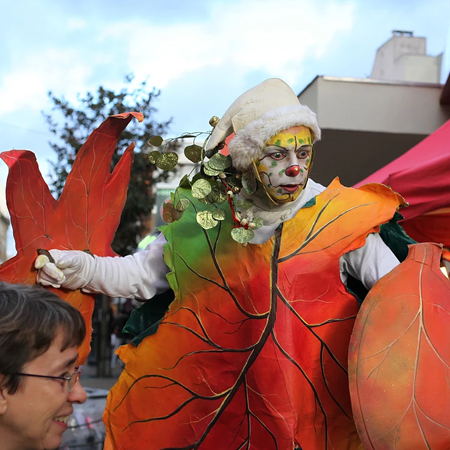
column 71, row 380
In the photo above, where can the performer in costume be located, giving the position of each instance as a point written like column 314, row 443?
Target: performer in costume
column 257, row 116
column 253, row 350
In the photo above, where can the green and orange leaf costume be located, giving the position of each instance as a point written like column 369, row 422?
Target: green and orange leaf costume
column 252, row 354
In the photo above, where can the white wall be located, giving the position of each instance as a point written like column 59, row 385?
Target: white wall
column 368, row 105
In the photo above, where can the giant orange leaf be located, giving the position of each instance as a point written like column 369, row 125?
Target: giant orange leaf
column 85, row 217
column 253, row 351
column 399, row 361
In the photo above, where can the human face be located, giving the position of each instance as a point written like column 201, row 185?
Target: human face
column 35, row 416
column 285, row 163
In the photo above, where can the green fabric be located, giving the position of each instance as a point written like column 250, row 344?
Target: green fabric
column 356, row 288
column 144, row 321
column 395, row 238
column 310, row 203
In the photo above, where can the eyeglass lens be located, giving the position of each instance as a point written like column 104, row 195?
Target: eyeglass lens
column 74, row 378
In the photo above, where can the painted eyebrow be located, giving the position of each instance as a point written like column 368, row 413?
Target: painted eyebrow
column 277, row 147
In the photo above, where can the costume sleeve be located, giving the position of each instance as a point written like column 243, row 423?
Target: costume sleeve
column 140, row 276
column 368, row 263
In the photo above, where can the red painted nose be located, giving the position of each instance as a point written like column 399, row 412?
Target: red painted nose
column 292, row 171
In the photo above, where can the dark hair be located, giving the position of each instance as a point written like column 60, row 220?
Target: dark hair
column 30, row 318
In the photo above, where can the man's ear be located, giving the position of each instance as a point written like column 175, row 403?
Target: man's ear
column 3, row 397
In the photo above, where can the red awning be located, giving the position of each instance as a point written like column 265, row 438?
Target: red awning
column 421, row 175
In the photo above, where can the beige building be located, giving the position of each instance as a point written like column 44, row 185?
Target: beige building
column 368, row 122
column 404, row 58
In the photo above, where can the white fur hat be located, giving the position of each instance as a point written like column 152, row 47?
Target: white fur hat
column 256, row 116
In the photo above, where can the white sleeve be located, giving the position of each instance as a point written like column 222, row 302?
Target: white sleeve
column 368, row 263
column 139, row 276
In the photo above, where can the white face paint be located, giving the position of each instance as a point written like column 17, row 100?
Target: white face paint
column 285, row 163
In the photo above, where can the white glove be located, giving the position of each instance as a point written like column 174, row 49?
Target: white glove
column 72, row 269
column 139, row 276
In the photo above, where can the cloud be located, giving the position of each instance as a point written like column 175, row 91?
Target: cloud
column 243, row 37
column 54, row 69
column 277, row 38
column 75, row 23
column 250, row 35
column 75, row 48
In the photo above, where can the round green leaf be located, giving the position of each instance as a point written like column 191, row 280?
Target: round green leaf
column 193, row 153
column 219, row 193
column 156, row 141
column 182, row 204
column 198, row 176
column 244, row 204
column 201, row 188
column 258, row 222
column 206, row 220
column 206, row 200
column 209, row 171
column 170, row 214
column 219, row 214
column 154, row 156
column 242, row 235
column 167, row 161
column 212, row 151
column 219, row 162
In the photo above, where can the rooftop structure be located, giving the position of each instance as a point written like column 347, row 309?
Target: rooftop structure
column 404, row 58
column 368, row 122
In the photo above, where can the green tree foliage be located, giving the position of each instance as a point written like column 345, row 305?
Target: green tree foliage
column 73, row 123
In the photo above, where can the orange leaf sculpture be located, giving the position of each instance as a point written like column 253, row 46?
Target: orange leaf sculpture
column 85, row 217
column 253, row 351
column 399, row 361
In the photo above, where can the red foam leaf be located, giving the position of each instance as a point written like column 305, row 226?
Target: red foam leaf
column 85, row 217
column 399, row 360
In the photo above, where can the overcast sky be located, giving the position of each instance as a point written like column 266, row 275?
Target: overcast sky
column 200, row 54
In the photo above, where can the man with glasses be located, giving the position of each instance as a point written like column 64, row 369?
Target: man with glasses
column 39, row 339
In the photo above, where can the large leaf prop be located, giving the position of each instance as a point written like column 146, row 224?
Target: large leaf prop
column 253, row 352
column 399, row 361
column 85, row 217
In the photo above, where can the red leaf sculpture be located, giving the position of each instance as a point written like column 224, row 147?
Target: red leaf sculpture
column 399, row 361
column 85, row 217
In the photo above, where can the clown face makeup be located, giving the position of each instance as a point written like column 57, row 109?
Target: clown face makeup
column 285, row 163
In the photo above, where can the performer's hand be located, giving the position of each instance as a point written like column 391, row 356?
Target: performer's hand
column 71, row 269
